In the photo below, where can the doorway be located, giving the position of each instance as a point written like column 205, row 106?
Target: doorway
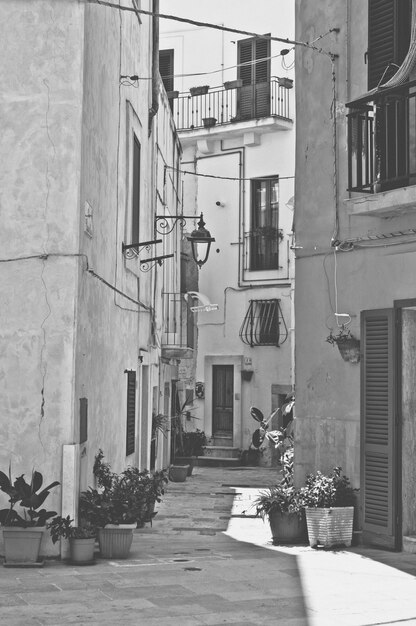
column 222, row 401
column 388, row 424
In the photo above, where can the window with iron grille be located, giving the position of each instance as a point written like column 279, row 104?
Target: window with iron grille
column 262, row 323
column 131, row 412
column 264, row 236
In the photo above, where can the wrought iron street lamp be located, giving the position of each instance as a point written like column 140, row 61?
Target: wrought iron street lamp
column 200, row 239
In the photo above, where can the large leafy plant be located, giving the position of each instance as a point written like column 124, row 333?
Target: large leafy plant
column 29, row 497
column 329, row 490
column 124, row 498
column 62, row 527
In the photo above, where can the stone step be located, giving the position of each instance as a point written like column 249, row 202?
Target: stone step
column 218, row 461
column 222, row 451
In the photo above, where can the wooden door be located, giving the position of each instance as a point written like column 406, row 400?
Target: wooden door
column 222, row 400
column 380, row 485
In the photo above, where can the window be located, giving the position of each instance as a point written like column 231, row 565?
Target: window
column 135, row 210
column 253, row 98
column 388, row 38
column 166, row 68
column 264, row 234
column 261, row 324
column 131, row 412
column 380, row 130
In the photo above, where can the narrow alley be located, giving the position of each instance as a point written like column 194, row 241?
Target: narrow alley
column 208, row 560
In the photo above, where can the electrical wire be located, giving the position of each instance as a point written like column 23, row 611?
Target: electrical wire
column 216, row 175
column 223, row 69
column 185, row 20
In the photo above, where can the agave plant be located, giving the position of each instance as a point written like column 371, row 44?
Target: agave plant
column 29, row 497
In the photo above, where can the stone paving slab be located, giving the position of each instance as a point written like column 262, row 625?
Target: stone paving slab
column 204, row 562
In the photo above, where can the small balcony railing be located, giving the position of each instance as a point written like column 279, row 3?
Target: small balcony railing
column 222, row 105
column 261, row 248
column 178, row 325
column 382, row 140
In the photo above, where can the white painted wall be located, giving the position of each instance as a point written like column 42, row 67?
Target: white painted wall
column 200, row 49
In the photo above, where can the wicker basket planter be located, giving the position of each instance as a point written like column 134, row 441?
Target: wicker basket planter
column 115, row 541
column 329, row 527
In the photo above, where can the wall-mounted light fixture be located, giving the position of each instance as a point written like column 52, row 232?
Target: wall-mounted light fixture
column 200, row 238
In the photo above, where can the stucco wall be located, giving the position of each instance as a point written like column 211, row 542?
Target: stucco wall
column 370, row 276
column 41, row 75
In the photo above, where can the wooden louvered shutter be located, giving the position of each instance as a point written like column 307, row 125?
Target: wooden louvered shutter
column 166, row 68
column 254, row 95
column 262, row 78
column 131, row 412
column 245, row 72
column 389, row 24
column 379, row 473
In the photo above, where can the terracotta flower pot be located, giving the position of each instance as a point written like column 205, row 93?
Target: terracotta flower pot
column 22, row 545
column 82, row 550
column 287, row 527
column 178, row 473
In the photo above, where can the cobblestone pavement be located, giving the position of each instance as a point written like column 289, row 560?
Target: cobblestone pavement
column 206, row 562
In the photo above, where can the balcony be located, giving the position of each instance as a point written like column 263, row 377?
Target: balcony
column 382, row 142
column 261, row 248
column 226, row 106
column 178, row 327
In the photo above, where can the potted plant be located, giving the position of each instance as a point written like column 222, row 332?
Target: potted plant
column 81, row 539
column 199, row 91
column 185, row 446
column 192, row 446
column 116, row 508
column 233, row 84
column 348, row 345
column 23, row 529
column 283, row 506
column 329, row 508
column 208, row 122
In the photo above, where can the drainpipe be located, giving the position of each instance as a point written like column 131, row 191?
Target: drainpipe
column 155, row 64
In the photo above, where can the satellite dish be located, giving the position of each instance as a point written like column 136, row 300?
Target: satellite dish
column 256, row 414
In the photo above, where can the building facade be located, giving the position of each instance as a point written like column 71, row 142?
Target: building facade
column 85, row 150
column 232, row 99
column 355, row 248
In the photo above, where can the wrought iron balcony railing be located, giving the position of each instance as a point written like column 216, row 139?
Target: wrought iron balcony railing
column 178, row 325
column 382, row 140
column 261, row 249
column 226, row 106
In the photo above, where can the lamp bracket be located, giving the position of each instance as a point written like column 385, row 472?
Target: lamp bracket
column 164, row 227
column 146, row 264
column 132, row 250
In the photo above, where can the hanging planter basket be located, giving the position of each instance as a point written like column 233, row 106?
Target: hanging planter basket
column 348, row 345
column 350, row 349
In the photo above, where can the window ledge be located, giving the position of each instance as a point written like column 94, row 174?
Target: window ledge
column 391, row 203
